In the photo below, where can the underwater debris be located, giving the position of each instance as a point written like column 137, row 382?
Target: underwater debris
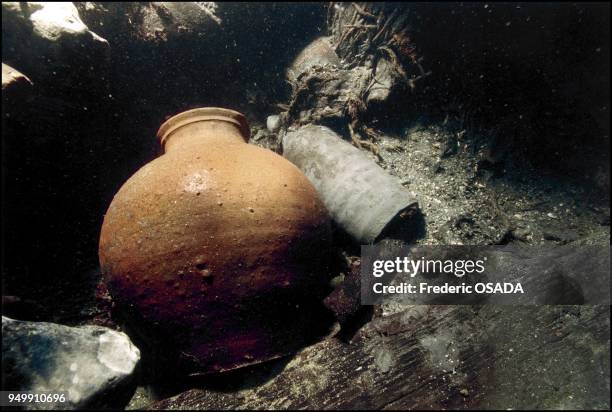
column 367, row 60
column 367, row 33
column 361, row 197
column 345, row 300
column 318, row 53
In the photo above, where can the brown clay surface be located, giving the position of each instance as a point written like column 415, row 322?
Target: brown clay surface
column 215, row 243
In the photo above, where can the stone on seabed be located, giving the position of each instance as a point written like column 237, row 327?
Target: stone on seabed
column 273, row 123
column 94, row 366
column 56, row 38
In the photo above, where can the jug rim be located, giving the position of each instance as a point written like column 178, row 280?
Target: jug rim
column 203, row 114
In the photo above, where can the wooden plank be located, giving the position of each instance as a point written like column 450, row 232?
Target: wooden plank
column 438, row 357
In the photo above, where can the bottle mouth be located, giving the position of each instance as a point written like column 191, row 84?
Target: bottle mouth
column 203, row 114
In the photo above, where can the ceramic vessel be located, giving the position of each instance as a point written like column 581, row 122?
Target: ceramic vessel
column 362, row 198
column 318, row 53
column 217, row 246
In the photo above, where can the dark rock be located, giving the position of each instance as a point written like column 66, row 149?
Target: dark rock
column 345, row 300
column 92, row 365
column 152, row 21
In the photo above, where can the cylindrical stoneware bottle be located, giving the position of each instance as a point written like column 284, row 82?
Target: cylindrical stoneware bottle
column 216, row 247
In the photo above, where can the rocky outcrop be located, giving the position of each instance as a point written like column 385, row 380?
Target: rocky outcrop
column 151, row 21
column 50, row 42
column 93, row 366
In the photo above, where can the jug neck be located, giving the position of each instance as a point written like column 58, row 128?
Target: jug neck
column 204, row 126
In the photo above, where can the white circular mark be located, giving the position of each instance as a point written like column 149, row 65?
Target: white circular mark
column 196, row 182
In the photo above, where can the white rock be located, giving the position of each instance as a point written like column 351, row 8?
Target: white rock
column 52, row 20
column 273, row 123
column 45, row 37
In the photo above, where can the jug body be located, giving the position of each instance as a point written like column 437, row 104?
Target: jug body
column 217, row 246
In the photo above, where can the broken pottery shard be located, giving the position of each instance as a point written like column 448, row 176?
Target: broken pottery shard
column 92, row 365
column 361, row 197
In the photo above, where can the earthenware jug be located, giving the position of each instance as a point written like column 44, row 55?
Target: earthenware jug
column 216, row 247
column 362, row 198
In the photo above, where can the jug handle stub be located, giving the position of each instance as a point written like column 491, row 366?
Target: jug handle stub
column 200, row 115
